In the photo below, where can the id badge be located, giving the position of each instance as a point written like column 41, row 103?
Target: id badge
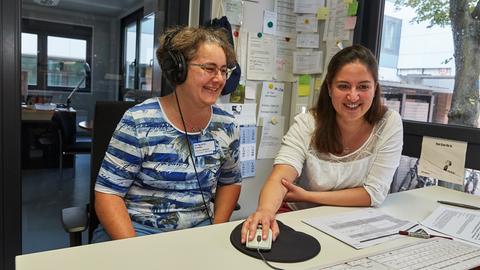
column 204, row 148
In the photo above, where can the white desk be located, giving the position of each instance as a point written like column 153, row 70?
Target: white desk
column 209, row 247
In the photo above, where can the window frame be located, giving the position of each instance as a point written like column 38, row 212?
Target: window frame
column 44, row 29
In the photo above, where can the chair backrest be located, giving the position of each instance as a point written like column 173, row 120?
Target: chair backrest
column 66, row 121
column 106, row 117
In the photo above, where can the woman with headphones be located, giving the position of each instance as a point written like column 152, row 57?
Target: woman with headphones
column 170, row 156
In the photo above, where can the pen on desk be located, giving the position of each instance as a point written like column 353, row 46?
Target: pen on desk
column 459, row 205
column 422, row 235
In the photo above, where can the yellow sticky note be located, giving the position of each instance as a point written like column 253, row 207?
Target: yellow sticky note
column 317, row 83
column 304, row 85
column 322, row 13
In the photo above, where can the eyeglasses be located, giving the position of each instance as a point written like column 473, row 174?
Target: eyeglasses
column 212, row 70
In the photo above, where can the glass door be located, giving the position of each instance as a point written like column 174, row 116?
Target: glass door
column 130, row 63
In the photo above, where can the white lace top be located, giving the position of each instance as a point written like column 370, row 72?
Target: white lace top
column 371, row 166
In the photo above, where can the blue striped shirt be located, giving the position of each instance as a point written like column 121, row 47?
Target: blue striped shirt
column 148, row 164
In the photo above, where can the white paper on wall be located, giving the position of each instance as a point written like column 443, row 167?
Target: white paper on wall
column 307, row 40
column 271, row 100
column 307, row 62
column 307, row 23
column 308, row 6
column 260, row 57
column 286, row 18
column 283, row 70
column 269, row 22
column 271, row 139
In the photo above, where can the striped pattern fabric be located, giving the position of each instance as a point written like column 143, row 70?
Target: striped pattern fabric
column 148, row 164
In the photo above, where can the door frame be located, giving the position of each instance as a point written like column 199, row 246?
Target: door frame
column 10, row 131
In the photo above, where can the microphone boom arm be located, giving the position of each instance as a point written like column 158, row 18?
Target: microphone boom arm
column 74, row 90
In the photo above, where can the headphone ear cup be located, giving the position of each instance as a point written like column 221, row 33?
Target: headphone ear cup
column 174, row 67
column 182, row 69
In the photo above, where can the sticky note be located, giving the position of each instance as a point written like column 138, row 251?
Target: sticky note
column 352, row 9
column 322, row 13
column 304, row 85
column 350, row 22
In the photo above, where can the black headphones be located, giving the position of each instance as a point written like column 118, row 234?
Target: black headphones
column 174, row 66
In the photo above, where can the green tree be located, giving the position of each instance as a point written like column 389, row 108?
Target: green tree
column 464, row 18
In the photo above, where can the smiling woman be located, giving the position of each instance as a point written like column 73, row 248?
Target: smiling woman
column 170, row 156
column 343, row 152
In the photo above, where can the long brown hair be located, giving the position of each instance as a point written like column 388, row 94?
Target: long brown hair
column 327, row 137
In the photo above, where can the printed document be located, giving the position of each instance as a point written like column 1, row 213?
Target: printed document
column 361, row 228
column 457, row 222
column 443, row 159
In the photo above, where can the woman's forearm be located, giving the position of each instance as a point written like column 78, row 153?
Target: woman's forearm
column 225, row 201
column 273, row 192
column 357, row 196
column 113, row 214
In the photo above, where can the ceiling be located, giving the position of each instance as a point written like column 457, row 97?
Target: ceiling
column 97, row 7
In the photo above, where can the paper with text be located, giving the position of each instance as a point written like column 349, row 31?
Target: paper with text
column 308, row 40
column 271, row 139
column 286, row 18
column 361, row 228
column 234, row 11
column 260, row 57
column 248, row 143
column 307, row 23
column 307, row 62
column 457, row 222
column 443, row 159
column 307, row 6
column 269, row 22
column 284, row 48
column 271, row 100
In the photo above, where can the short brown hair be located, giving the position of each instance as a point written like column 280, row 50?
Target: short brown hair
column 186, row 40
column 327, row 137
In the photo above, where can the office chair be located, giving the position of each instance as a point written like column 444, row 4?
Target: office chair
column 67, row 136
column 106, row 117
column 77, row 219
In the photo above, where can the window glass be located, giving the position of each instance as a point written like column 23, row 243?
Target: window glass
column 418, row 57
column 429, row 72
column 66, row 57
column 130, row 50
column 54, row 55
column 146, row 52
column 29, row 57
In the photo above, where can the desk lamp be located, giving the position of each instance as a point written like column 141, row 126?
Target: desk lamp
column 86, row 66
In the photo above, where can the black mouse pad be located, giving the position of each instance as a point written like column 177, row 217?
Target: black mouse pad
column 290, row 246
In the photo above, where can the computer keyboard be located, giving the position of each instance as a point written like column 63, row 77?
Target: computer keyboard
column 433, row 253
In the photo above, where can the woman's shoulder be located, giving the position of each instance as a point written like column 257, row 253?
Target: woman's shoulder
column 149, row 108
column 392, row 117
column 305, row 120
column 221, row 115
column 390, row 123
